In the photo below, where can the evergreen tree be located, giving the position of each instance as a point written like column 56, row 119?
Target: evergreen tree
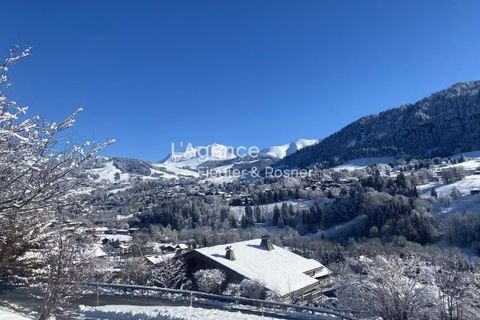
column 258, row 214
column 247, row 219
column 284, row 211
column 276, row 215
column 401, row 182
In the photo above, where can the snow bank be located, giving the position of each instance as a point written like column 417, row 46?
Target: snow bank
column 124, row 312
column 8, row 314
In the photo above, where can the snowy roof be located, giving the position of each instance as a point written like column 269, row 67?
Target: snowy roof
column 158, row 258
column 97, row 251
column 279, row 270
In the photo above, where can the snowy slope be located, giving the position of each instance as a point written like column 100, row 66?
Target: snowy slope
column 466, row 202
column 280, row 152
column 107, row 173
column 170, row 170
column 471, row 163
column 464, row 186
column 122, row 171
column 471, row 181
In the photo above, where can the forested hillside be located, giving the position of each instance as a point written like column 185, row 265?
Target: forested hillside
column 446, row 123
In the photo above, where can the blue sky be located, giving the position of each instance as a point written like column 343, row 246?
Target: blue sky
column 248, row 72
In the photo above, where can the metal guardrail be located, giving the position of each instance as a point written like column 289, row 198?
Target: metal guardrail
column 260, row 305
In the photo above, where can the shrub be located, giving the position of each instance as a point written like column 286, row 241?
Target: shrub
column 252, row 289
column 209, row 280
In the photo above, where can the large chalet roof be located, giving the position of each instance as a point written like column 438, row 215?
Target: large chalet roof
column 279, row 270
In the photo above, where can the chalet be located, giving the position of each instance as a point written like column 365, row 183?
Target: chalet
column 291, row 276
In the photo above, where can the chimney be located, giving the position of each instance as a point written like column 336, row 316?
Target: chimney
column 266, row 243
column 229, row 253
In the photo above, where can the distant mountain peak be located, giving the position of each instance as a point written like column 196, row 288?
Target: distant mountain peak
column 281, row 151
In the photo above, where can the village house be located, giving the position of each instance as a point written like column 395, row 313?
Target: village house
column 289, row 275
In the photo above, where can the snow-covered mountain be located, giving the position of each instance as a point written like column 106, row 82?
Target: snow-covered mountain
column 120, row 172
column 280, row 152
column 222, row 158
column 193, row 156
